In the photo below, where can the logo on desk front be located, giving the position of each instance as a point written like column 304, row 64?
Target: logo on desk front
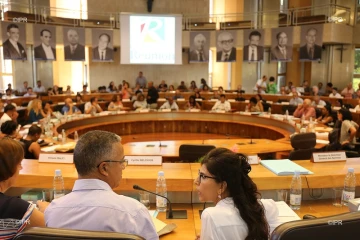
column 335, row 222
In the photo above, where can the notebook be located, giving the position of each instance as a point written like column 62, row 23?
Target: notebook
column 284, row 167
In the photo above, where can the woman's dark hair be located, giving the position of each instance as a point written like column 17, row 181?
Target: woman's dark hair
column 328, row 108
column 206, row 86
column 233, row 169
column 271, row 79
column 34, row 129
column 193, row 102
column 220, row 88
column 11, row 154
column 346, row 114
column 193, row 82
column 253, row 100
column 260, row 97
column 198, row 95
column 111, row 86
column 114, row 98
column 203, row 81
column 8, row 127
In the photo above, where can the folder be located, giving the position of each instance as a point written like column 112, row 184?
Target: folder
column 284, row 167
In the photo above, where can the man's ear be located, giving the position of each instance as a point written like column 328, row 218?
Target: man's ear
column 8, row 34
column 103, row 170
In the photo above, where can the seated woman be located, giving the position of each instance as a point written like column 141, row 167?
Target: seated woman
column 326, row 117
column 112, row 87
column 22, row 213
column 140, row 102
column 253, row 106
column 126, row 91
column 221, row 90
column 192, row 103
column 259, row 102
column 30, row 144
column 9, row 130
column 36, row 112
column 205, row 89
column 115, row 103
column 171, row 88
column 50, row 92
column 47, row 109
column 56, row 90
column 78, row 99
column 239, row 213
column 348, row 127
column 193, row 86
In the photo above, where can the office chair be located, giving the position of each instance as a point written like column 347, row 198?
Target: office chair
column 69, row 234
column 304, row 146
column 192, row 152
column 291, row 109
column 342, row 226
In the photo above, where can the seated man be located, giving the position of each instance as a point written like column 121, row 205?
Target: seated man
column 92, row 107
column 222, row 105
column 293, row 90
column 69, row 108
column 282, row 91
column 170, row 104
column 31, row 146
column 216, row 95
column 295, row 100
column 10, row 114
column 305, row 110
column 253, row 106
column 162, row 86
column 182, row 87
column 335, row 93
column 318, row 102
column 239, row 96
column 92, row 205
column 30, row 93
column 152, row 95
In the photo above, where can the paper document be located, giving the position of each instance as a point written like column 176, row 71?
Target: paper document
column 163, row 228
column 284, row 167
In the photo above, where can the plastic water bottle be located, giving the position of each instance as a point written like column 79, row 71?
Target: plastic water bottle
column 269, row 111
column 63, row 136
column 349, row 187
column 247, row 108
column 303, row 120
column 161, row 203
column 295, row 191
column 76, row 136
column 286, row 115
column 58, row 184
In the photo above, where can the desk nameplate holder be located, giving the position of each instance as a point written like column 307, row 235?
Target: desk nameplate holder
column 56, row 158
column 328, row 157
column 150, row 160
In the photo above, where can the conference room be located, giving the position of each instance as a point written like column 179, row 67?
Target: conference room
column 179, row 84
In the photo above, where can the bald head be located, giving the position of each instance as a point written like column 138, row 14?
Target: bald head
column 307, row 102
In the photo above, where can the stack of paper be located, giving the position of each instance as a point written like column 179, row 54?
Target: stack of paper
column 286, row 214
column 284, row 167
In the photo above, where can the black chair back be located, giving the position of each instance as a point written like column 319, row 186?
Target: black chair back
column 68, row 234
column 343, row 226
column 303, row 140
column 192, row 152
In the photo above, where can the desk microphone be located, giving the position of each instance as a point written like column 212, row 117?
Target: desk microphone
column 170, row 214
column 161, row 145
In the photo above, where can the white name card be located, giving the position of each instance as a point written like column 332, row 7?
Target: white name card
column 328, row 156
column 336, row 108
column 285, row 103
column 245, row 113
column 121, row 112
column 319, row 106
column 220, row 111
column 144, row 110
column 180, row 99
column 198, row 99
column 194, row 110
column 161, row 99
column 214, row 100
column 126, row 100
column 231, row 100
column 253, row 159
column 247, row 101
column 56, row 158
column 270, row 102
column 104, row 113
column 352, row 110
column 61, row 103
column 166, row 110
column 144, row 160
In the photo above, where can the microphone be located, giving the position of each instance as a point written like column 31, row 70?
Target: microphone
column 161, row 145
column 170, row 214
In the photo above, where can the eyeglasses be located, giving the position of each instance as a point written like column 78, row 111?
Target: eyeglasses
column 203, row 176
column 123, row 162
column 227, row 41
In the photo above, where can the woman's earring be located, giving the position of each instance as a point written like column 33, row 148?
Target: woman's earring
column 219, row 196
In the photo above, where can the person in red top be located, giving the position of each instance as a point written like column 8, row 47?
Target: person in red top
column 305, row 110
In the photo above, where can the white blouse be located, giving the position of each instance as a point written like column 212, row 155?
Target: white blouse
column 223, row 222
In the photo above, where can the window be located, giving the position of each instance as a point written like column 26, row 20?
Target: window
column 6, row 71
column 356, row 75
column 281, row 74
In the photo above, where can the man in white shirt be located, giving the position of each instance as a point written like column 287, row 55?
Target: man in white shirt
column 92, row 107
column 93, row 205
column 222, row 105
column 260, row 85
column 30, row 93
column 318, row 102
column 335, row 94
column 10, row 114
column 170, row 104
column 293, row 90
column 39, row 88
column 296, row 100
column 24, row 88
column 348, row 91
column 44, row 51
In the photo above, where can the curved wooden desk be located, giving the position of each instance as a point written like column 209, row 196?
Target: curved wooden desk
column 181, row 121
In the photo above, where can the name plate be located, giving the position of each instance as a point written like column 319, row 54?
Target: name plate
column 144, row 160
column 319, row 106
column 270, row 102
column 198, row 99
column 144, row 110
column 247, row 101
column 104, row 113
column 194, row 110
column 180, row 99
column 231, row 100
column 220, row 111
column 328, row 156
column 214, row 100
column 253, row 159
column 285, row 103
column 161, row 99
column 166, row 110
column 125, row 100
column 56, row 158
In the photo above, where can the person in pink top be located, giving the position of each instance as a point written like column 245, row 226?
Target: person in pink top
column 348, row 91
column 305, row 110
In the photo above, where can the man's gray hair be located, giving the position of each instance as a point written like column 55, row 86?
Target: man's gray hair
column 92, row 148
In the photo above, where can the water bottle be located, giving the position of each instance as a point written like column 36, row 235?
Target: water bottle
column 58, row 184
column 295, row 191
column 349, row 187
column 76, row 136
column 161, row 203
column 286, row 115
column 247, row 108
column 63, row 136
column 269, row 111
column 303, row 120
